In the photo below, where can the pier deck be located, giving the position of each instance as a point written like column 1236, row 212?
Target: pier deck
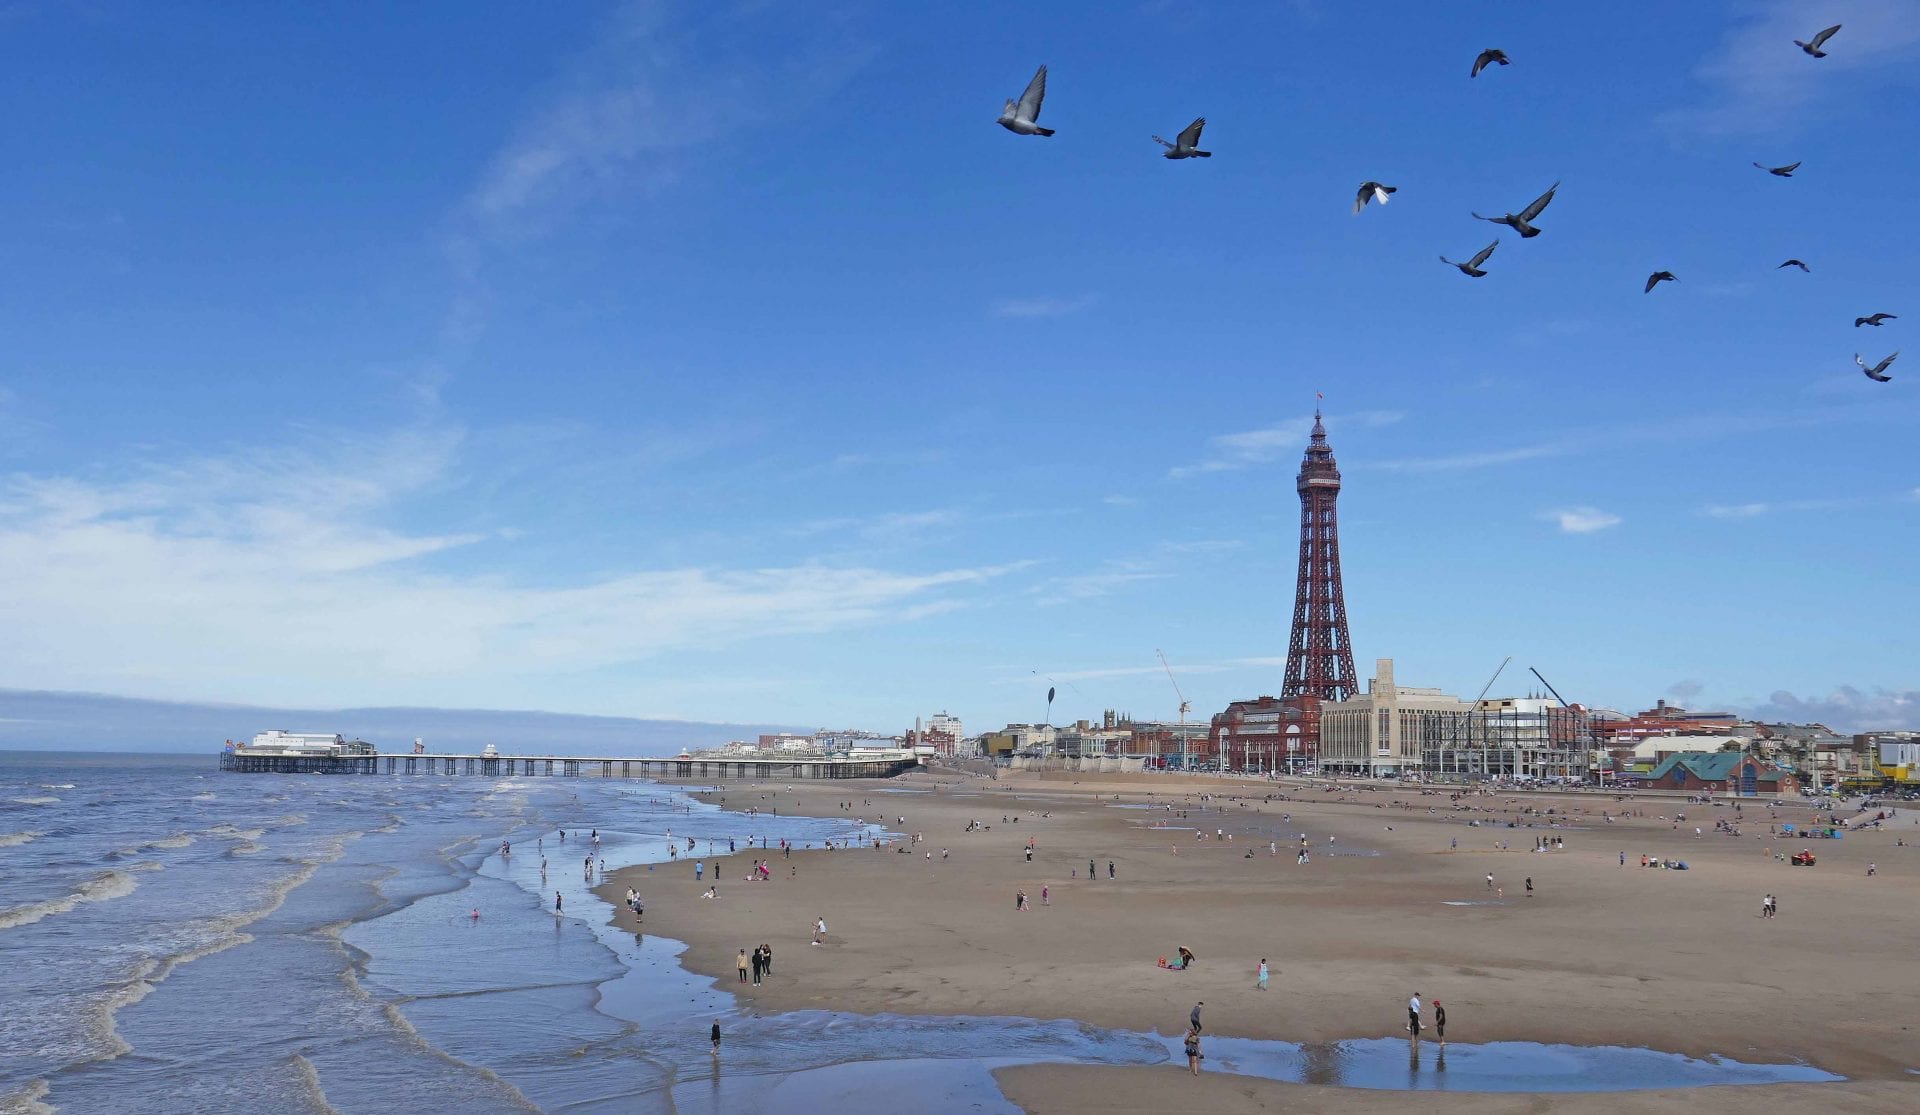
column 693, row 768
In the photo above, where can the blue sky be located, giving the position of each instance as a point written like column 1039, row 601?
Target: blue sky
column 728, row 362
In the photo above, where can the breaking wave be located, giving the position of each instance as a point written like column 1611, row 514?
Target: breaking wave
column 101, row 888
column 15, row 839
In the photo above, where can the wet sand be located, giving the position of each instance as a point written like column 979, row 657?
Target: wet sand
column 1601, row 955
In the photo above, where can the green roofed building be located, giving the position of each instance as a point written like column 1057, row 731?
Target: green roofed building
column 1720, row 772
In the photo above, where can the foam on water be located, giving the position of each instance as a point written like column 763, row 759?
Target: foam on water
column 103, row 887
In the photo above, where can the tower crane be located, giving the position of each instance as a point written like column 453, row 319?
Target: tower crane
column 1186, row 760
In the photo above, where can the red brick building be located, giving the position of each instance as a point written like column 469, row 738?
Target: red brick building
column 1268, row 733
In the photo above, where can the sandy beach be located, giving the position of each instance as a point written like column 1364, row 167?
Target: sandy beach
column 1394, row 900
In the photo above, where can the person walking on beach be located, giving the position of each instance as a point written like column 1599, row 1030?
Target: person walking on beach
column 1440, row 1022
column 1109, row 869
column 1029, row 853
column 1193, row 1051
column 1261, row 982
column 1529, row 886
column 819, row 929
column 740, row 965
column 1193, row 1017
column 766, row 959
column 716, row 1037
column 1090, row 871
column 557, row 902
column 758, row 967
column 1046, row 896
column 699, row 869
column 1489, row 880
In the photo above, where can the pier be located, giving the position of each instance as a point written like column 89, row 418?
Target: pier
column 688, row 767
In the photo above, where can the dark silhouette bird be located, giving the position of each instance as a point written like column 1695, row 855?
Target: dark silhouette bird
column 1022, row 117
column 1779, row 171
column 1819, row 41
column 1472, row 266
column 1492, row 56
column 1657, row 278
column 1372, row 191
column 1795, row 263
column 1521, row 222
column 1874, row 319
column 1184, row 148
column 1878, row 371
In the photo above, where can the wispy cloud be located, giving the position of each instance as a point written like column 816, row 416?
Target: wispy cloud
column 1119, row 501
column 1581, row 520
column 1248, row 448
column 1043, row 307
column 1757, row 80
column 1755, row 510
column 1477, row 459
column 280, row 575
column 1117, row 573
column 893, row 526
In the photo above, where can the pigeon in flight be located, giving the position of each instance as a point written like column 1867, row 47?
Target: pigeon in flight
column 1184, row 147
column 1472, row 266
column 1779, row 171
column 1521, row 222
column 1874, row 319
column 1819, row 41
column 1493, row 55
column 1372, row 191
column 1878, row 371
column 1657, row 278
column 1796, row 263
column 1022, row 117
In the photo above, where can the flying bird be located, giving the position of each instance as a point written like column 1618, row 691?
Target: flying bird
column 1022, row 117
column 1795, row 263
column 1472, row 266
column 1183, row 147
column 1493, row 55
column 1372, row 191
column 1521, row 222
column 1819, row 41
column 1779, row 171
column 1874, row 319
column 1878, row 371
column 1657, row 278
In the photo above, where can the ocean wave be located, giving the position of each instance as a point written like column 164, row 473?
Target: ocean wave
column 26, row 1101
column 223, row 933
column 310, row 1081
column 35, row 801
column 177, row 840
column 15, row 839
column 203, row 797
column 56, row 785
column 244, row 848
column 101, row 888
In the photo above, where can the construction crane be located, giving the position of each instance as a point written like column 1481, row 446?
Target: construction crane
column 1186, row 760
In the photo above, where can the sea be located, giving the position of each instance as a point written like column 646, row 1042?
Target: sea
column 176, row 939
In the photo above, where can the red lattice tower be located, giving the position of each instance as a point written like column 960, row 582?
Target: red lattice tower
column 1319, row 654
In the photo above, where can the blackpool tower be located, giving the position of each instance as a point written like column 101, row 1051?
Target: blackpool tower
column 1319, row 654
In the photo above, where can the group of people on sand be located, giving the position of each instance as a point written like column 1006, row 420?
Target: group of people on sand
column 760, row 964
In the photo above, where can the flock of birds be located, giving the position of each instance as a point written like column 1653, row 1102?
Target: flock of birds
column 1022, row 117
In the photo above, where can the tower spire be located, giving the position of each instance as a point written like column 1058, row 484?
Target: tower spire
column 1319, row 651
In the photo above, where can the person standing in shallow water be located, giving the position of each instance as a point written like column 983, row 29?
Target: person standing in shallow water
column 715, row 1034
column 1413, row 1016
column 1439, row 1022
column 1193, row 1051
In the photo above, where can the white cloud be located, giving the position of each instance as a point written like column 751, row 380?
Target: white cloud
column 1846, row 709
column 1248, row 448
column 1737, row 510
column 277, row 578
column 1757, row 80
column 1581, row 520
column 1043, row 307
